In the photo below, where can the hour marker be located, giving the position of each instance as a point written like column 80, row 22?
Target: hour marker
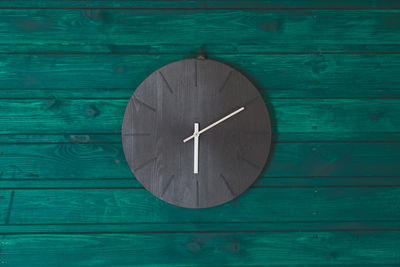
column 227, row 184
column 225, row 82
column 166, row 82
column 145, row 164
column 168, row 183
column 249, row 162
column 144, row 104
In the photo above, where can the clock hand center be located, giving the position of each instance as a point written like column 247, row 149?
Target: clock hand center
column 213, row 124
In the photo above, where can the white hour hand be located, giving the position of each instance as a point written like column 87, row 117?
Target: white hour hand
column 196, row 149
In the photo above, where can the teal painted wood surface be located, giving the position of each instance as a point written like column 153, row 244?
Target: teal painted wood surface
column 329, row 72
column 187, row 31
column 277, row 76
column 295, row 118
column 333, row 204
column 203, row 4
column 303, row 159
column 207, row 249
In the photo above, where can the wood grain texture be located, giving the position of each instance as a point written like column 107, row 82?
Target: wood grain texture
column 181, row 249
column 184, row 31
column 81, row 161
column 68, row 206
column 292, row 119
column 203, row 4
column 329, row 69
column 59, row 138
column 131, row 183
column 284, row 76
column 197, row 227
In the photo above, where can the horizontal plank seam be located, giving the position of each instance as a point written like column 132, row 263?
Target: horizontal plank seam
column 338, row 141
column 198, row 222
column 60, row 143
column 127, row 98
column 274, row 142
column 208, row 231
column 273, row 9
column 62, row 134
column 130, row 178
column 252, row 187
column 174, row 53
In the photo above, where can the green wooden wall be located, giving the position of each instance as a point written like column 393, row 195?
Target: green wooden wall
column 329, row 72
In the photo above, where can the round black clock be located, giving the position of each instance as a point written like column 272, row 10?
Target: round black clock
column 196, row 133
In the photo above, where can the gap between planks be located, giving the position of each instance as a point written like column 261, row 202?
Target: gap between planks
column 139, row 187
column 270, row 9
column 194, row 53
column 200, row 227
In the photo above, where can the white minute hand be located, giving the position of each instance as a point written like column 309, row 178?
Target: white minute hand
column 214, row 124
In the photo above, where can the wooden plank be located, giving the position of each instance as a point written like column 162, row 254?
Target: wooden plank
column 48, row 138
column 164, row 31
column 202, row 4
column 116, row 76
column 111, row 138
column 50, row 161
column 205, row 249
column 193, row 227
column 281, row 249
column 266, row 182
column 257, row 205
column 292, row 119
column 105, row 183
column 68, row 116
column 289, row 160
column 196, row 49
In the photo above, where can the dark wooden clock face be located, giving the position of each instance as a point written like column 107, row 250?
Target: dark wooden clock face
column 162, row 113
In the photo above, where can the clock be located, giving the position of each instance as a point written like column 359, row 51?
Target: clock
column 196, row 133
